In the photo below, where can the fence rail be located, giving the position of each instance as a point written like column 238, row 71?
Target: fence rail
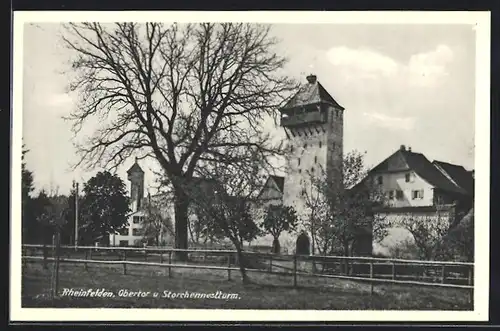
column 370, row 275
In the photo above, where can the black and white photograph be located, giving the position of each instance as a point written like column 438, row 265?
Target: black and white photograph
column 250, row 166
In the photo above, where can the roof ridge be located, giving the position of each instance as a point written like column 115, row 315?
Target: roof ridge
column 449, row 163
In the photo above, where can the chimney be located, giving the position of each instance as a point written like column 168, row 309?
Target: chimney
column 311, row 79
column 402, row 148
column 409, row 149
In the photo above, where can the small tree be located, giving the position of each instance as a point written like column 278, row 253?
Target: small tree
column 232, row 192
column 104, row 206
column 428, row 232
column 202, row 227
column 155, row 224
column 342, row 216
column 460, row 239
column 277, row 219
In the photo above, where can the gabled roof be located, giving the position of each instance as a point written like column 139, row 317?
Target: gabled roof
column 280, row 182
column 458, row 174
column 407, row 160
column 311, row 93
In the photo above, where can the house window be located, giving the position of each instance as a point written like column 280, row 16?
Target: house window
column 391, row 195
column 136, row 219
column 399, row 195
column 124, row 231
column 312, row 169
column 135, row 232
column 320, row 144
column 298, row 162
column 409, row 178
column 417, row 194
column 300, row 171
column 380, row 180
column 123, row 243
column 333, row 146
column 305, row 146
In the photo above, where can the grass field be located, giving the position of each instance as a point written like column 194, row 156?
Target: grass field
column 265, row 292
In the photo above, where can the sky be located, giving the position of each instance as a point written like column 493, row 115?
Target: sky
column 407, row 85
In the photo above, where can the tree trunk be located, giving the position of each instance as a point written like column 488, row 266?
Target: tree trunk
column 276, row 246
column 181, row 224
column 242, row 264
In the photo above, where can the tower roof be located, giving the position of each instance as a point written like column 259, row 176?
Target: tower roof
column 311, row 93
column 135, row 168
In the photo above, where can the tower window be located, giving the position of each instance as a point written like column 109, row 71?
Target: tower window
column 333, row 146
column 300, row 170
column 315, row 159
column 320, row 144
column 337, row 112
column 298, row 163
column 312, row 169
column 305, row 145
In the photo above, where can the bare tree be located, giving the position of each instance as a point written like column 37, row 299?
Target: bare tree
column 340, row 218
column 428, row 232
column 180, row 94
column 228, row 205
column 156, row 223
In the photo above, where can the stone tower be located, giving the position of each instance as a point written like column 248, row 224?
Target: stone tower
column 136, row 178
column 313, row 122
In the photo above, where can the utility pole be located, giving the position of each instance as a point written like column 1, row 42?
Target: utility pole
column 76, row 216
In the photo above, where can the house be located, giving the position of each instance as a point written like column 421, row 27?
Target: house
column 423, row 190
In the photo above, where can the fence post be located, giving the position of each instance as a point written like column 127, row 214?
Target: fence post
column 169, row 264
column 270, row 263
column 295, row 270
column 443, row 275
column 229, row 266
column 161, row 256
column 86, row 258
column 124, row 263
column 471, row 291
column 58, row 254
column 145, row 255
column 371, row 277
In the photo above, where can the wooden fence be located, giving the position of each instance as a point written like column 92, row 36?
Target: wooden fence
column 458, row 275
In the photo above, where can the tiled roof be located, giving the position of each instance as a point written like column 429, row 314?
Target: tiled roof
column 425, row 169
column 405, row 160
column 135, row 168
column 458, row 174
column 311, row 93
